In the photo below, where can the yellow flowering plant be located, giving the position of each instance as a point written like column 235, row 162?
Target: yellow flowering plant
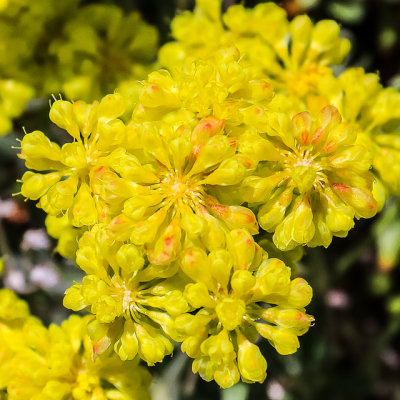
column 96, row 131
column 82, row 51
column 375, row 112
column 25, row 71
column 102, row 48
column 133, row 301
column 293, row 54
column 57, row 363
column 174, row 201
column 321, row 182
column 232, row 294
column 13, row 314
column 188, row 214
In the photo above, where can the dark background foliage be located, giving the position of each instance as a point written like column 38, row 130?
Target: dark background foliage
column 353, row 351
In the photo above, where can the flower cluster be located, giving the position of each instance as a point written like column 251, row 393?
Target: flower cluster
column 320, row 182
column 84, row 52
column 375, row 112
column 297, row 57
column 160, row 209
column 13, row 314
column 96, row 131
column 173, row 192
column 293, row 54
column 236, row 294
column 133, row 302
column 58, row 363
column 141, row 307
column 100, row 48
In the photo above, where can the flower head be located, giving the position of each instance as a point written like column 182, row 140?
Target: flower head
column 62, row 183
column 13, row 98
column 174, row 199
column 67, row 236
column 319, row 184
column 27, row 29
column 221, row 86
column 57, row 363
column 85, row 51
column 101, row 49
column 13, row 314
column 293, row 54
column 182, row 151
column 133, row 301
column 375, row 112
column 236, row 294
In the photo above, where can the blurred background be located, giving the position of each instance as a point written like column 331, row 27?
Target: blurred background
column 353, row 351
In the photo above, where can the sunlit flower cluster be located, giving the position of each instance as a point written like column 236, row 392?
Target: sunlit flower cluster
column 232, row 294
column 58, row 362
column 297, row 56
column 13, row 314
column 133, row 302
column 186, row 214
column 375, row 112
column 293, row 54
column 315, row 183
column 96, row 131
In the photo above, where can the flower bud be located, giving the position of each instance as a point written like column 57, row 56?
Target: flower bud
column 127, row 345
column 35, row 186
column 284, row 341
column 252, row 365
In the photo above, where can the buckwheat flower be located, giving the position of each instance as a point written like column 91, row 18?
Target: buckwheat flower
column 101, row 48
column 375, row 112
column 293, row 54
column 26, row 30
column 85, row 51
column 320, row 184
column 221, row 86
column 13, row 98
column 237, row 294
column 132, row 300
column 57, row 363
column 174, row 201
column 61, row 182
column 13, row 313
column 67, row 236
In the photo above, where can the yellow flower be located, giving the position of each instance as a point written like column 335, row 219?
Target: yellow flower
column 67, row 236
column 57, row 363
column 100, row 49
column 236, row 294
column 183, row 150
column 318, row 186
column 13, row 313
column 132, row 300
column 293, row 54
column 375, row 112
column 221, row 86
column 83, row 51
column 13, row 98
column 174, row 199
column 27, row 28
column 62, row 183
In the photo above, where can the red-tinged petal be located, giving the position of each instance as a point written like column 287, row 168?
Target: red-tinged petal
column 167, row 246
